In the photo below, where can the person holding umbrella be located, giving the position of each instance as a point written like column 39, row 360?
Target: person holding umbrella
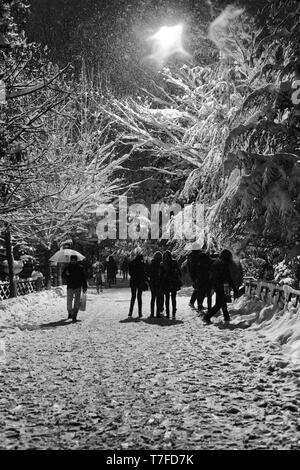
column 76, row 280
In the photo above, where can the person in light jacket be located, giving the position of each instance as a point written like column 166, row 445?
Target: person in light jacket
column 76, row 280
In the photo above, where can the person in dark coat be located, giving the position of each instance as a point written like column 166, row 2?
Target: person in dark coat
column 203, row 282
column 76, row 280
column 192, row 262
column 124, row 268
column 219, row 275
column 138, row 283
column 111, row 269
column 157, row 296
column 170, row 281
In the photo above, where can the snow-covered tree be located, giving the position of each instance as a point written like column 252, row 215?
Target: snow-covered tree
column 228, row 132
column 83, row 174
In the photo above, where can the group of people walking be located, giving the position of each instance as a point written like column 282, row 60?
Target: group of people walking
column 209, row 273
column 162, row 275
column 212, row 273
column 111, row 268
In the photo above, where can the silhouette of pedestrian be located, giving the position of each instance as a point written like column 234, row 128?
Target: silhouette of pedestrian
column 138, row 283
column 157, row 296
column 98, row 269
column 203, row 282
column 219, row 275
column 111, row 269
column 124, row 268
column 171, row 282
column 192, row 261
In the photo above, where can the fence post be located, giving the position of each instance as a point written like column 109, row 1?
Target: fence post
column 265, row 290
column 9, row 254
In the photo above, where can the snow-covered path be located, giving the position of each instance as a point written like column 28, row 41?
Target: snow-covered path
column 109, row 382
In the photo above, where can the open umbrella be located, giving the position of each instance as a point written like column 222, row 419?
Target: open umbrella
column 27, row 257
column 63, row 256
column 193, row 246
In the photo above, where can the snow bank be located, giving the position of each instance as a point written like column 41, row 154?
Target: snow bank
column 28, row 307
column 280, row 324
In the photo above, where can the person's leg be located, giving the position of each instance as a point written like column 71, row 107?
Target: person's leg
column 205, row 291
column 224, row 307
column 159, row 303
column 156, row 304
column 209, row 299
column 76, row 303
column 193, row 298
column 200, row 298
column 236, row 293
column 132, row 301
column 70, row 295
column 152, row 302
column 220, row 296
column 174, row 309
column 139, row 299
column 167, row 300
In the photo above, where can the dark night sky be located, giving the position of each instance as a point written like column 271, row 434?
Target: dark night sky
column 111, row 35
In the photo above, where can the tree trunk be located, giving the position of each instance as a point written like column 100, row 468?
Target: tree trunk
column 10, row 259
column 48, row 270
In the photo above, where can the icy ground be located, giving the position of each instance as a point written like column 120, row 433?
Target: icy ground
column 109, row 382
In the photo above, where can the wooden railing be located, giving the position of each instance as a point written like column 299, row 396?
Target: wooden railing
column 269, row 291
column 24, row 287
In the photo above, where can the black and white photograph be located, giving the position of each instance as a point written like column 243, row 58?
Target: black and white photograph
column 149, row 228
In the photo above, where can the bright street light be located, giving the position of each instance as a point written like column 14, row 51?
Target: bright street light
column 166, row 42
